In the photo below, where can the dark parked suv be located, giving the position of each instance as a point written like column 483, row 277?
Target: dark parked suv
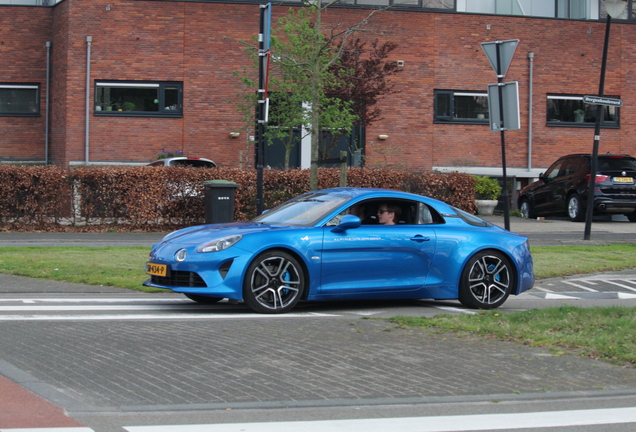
column 563, row 188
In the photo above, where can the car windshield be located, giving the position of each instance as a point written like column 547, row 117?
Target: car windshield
column 192, row 163
column 305, row 210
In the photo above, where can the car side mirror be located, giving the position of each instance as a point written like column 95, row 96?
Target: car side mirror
column 542, row 177
column 347, row 222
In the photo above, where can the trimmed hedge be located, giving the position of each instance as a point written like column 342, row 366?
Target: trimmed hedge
column 157, row 199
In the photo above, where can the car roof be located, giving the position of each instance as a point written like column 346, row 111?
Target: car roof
column 600, row 155
column 368, row 193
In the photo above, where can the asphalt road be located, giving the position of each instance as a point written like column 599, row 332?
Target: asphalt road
column 116, row 360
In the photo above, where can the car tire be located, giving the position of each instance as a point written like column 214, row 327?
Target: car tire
column 631, row 216
column 203, row 299
column 486, row 281
column 527, row 212
column 575, row 208
column 274, row 283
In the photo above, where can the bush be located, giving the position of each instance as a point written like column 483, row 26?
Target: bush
column 158, row 199
column 486, row 188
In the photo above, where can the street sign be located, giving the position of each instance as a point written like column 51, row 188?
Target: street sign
column 601, row 100
column 500, row 54
column 511, row 119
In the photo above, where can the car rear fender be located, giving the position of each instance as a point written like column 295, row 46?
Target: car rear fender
column 517, row 287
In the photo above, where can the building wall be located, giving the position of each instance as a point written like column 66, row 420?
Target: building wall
column 199, row 43
column 24, row 32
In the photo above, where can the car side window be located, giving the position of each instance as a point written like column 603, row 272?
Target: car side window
column 569, row 167
column 581, row 165
column 554, row 170
column 410, row 213
column 427, row 215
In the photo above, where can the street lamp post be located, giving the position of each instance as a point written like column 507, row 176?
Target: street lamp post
column 614, row 8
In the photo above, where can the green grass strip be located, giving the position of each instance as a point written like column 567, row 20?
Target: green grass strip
column 109, row 266
column 607, row 333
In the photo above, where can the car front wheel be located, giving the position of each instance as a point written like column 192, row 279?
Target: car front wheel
column 486, row 281
column 575, row 208
column 274, row 283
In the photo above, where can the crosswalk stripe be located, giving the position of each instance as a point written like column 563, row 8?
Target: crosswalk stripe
column 107, row 317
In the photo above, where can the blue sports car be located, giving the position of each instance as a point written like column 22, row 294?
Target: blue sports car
column 346, row 244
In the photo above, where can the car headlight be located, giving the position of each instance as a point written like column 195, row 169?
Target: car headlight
column 219, row 244
column 181, row 255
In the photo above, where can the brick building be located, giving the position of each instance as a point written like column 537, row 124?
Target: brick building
column 66, row 65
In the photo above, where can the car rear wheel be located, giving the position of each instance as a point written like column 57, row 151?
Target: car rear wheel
column 526, row 209
column 274, row 283
column 631, row 216
column 203, row 299
column 486, row 281
column 575, row 208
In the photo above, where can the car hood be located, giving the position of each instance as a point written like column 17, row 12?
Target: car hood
column 531, row 187
column 204, row 233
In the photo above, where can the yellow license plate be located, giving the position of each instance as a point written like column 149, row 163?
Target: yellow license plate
column 157, row 269
column 624, row 179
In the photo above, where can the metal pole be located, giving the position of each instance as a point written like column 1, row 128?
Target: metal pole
column 503, row 145
column 89, row 41
column 530, row 101
column 260, row 113
column 47, row 103
column 597, row 137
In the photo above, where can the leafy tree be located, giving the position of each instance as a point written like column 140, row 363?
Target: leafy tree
column 304, row 56
column 366, row 79
column 307, row 82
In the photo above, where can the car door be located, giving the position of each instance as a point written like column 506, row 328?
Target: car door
column 376, row 258
column 544, row 194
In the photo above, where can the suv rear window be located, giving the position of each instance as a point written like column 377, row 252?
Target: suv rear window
column 616, row 163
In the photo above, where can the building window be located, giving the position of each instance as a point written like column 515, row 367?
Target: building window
column 573, row 9
column 461, row 107
column 567, row 110
column 19, row 99
column 139, row 98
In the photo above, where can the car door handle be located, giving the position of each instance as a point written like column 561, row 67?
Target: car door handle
column 418, row 238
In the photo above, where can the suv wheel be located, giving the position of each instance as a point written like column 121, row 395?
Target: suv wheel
column 575, row 208
column 631, row 216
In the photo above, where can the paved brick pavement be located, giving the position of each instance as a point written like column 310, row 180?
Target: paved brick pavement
column 150, row 365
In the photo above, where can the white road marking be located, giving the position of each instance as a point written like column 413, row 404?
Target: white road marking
column 483, row 422
column 177, row 316
column 579, row 286
column 97, row 300
column 100, row 308
column 456, row 309
column 554, row 296
column 621, row 285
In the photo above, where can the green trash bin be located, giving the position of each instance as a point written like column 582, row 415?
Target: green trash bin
column 219, row 201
